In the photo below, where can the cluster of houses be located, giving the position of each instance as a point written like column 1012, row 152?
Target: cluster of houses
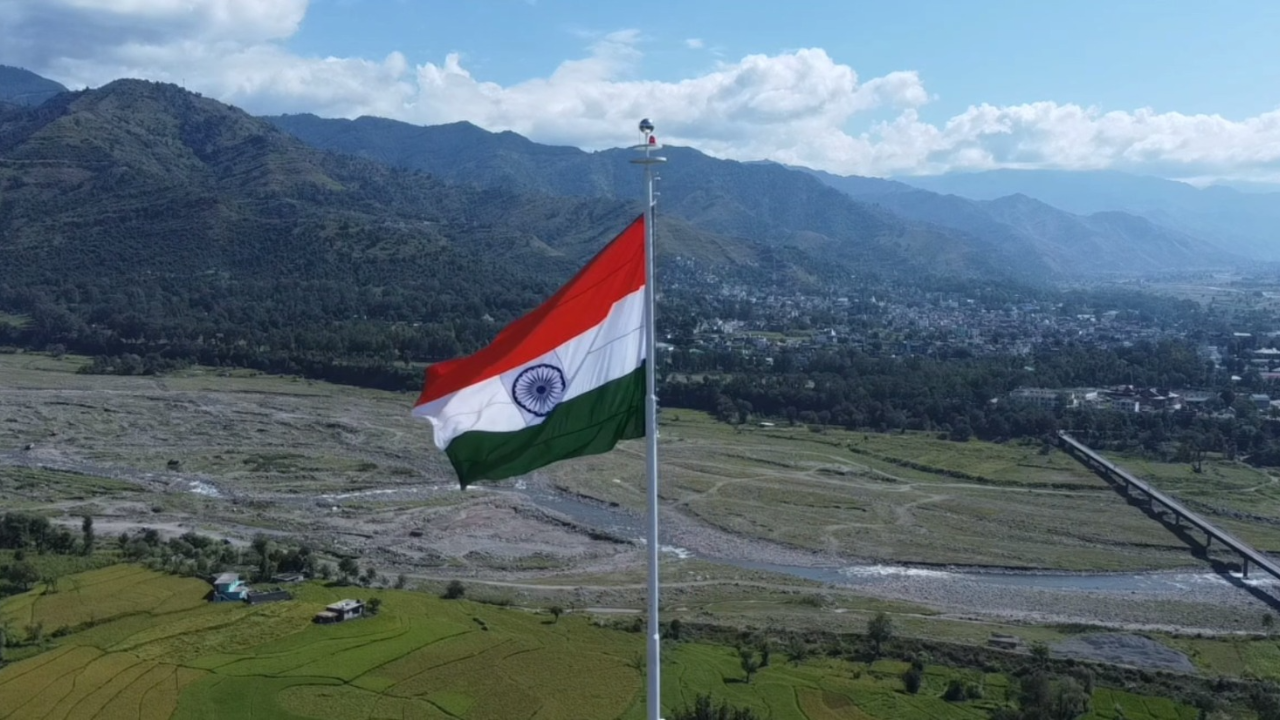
column 1130, row 399
column 230, row 587
column 1267, row 362
column 906, row 321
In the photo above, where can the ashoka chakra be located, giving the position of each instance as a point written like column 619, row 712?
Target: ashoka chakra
column 538, row 389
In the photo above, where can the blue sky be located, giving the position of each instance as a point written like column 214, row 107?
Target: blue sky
column 1193, row 57
column 1179, row 88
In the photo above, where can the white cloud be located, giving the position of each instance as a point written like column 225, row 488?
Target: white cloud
column 694, row 43
column 795, row 107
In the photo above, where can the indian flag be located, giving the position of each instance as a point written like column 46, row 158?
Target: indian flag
column 564, row 381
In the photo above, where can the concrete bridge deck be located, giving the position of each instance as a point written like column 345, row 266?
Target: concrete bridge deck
column 1116, row 474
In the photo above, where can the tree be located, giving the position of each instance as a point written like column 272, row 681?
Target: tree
column 1268, row 622
column 35, row 633
column 374, row 605
column 879, row 631
column 4, row 638
column 1070, row 701
column 454, row 590
column 912, row 679
column 266, row 568
column 704, row 709
column 23, row 574
column 797, row 649
column 1040, row 655
column 1191, row 449
column 749, row 662
column 349, row 569
column 402, row 581
column 86, row 531
column 556, row 611
column 261, row 545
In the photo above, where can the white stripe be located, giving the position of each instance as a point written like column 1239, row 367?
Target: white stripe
column 604, row 353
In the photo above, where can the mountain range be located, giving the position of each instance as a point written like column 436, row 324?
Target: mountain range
column 767, row 201
column 1097, row 244
column 764, row 203
column 142, row 177
column 181, row 181
column 1244, row 223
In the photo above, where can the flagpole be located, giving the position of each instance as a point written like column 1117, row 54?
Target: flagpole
column 653, row 662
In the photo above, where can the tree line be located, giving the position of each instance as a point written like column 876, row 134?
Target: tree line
column 964, row 399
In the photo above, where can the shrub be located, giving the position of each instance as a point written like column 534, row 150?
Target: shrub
column 912, row 679
column 748, row 661
column 797, row 649
column 455, row 590
column 956, row 691
column 704, row 709
column 879, row 631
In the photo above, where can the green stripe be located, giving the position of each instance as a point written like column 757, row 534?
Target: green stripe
column 589, row 424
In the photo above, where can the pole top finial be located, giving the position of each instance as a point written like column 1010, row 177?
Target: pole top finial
column 648, row 144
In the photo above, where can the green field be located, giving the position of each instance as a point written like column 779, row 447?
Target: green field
column 914, row 498
column 150, row 647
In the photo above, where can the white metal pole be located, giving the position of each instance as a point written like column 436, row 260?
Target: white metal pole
column 653, row 664
column 651, row 436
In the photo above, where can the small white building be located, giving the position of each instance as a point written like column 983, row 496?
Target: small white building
column 1045, row 397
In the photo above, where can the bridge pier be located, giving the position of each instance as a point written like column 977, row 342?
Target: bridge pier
column 1161, row 505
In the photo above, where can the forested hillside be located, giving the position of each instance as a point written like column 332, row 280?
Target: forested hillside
column 142, row 220
column 765, row 202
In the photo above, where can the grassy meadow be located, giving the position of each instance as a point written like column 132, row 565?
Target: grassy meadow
column 144, row 645
column 914, row 498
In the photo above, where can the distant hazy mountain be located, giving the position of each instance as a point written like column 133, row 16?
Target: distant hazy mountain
column 1102, row 243
column 1250, row 188
column 764, row 202
column 23, row 87
column 858, row 186
column 1243, row 223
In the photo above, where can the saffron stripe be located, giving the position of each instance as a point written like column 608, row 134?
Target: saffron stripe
column 617, row 271
column 604, row 353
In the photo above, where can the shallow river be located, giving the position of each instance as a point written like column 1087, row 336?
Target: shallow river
column 621, row 523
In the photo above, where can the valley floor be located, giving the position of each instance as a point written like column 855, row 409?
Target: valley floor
column 754, row 517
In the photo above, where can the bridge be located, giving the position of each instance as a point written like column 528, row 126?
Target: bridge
column 1121, row 478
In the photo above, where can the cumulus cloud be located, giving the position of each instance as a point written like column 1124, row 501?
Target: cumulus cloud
column 694, row 43
column 801, row 107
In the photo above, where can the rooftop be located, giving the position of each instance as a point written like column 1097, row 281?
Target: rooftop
column 227, row 579
column 343, row 605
